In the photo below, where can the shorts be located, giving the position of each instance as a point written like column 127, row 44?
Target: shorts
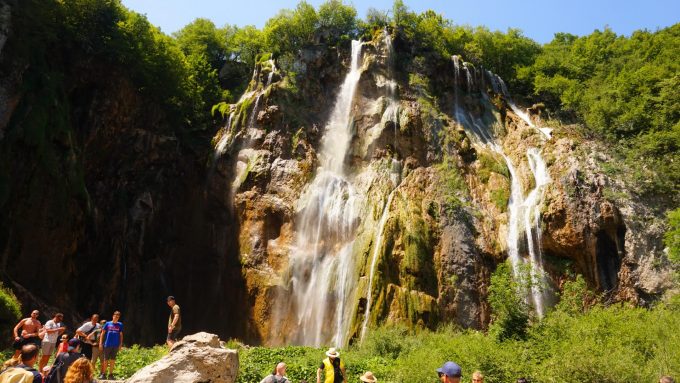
column 18, row 344
column 110, row 353
column 172, row 336
column 48, row 348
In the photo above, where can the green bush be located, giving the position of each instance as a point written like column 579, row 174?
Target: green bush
column 131, row 359
column 10, row 311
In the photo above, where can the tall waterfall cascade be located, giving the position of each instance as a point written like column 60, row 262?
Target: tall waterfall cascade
column 320, row 280
column 524, row 225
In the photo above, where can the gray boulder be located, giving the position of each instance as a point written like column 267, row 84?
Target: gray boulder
column 194, row 359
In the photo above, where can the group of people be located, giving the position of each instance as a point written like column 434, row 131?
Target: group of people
column 333, row 371
column 75, row 357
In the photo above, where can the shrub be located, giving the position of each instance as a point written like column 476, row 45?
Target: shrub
column 10, row 311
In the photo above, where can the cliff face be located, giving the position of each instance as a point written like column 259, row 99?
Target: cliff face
column 429, row 158
column 106, row 205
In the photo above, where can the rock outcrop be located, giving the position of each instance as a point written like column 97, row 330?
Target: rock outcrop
column 195, row 358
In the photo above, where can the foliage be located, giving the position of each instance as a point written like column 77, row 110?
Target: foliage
column 509, row 311
column 672, row 236
column 600, row 344
column 625, row 90
column 131, row 359
column 10, row 311
column 201, row 37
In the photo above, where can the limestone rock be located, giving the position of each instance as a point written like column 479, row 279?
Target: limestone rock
column 196, row 358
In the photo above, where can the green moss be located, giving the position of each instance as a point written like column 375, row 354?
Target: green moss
column 489, row 163
column 501, row 198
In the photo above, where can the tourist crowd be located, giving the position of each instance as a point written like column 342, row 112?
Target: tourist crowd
column 75, row 355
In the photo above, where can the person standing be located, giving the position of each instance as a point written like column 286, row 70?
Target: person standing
column 23, row 371
column 86, row 334
column 96, row 352
column 53, row 328
column 450, row 372
column 174, row 321
column 110, row 342
column 278, row 375
column 30, row 332
column 333, row 367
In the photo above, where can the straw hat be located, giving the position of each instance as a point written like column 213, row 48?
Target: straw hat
column 332, row 352
column 368, row 377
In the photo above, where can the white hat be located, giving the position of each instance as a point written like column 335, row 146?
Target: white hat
column 368, row 377
column 332, row 352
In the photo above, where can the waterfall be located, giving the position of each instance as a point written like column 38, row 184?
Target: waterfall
column 224, row 140
column 532, row 225
column 524, row 218
column 253, row 113
column 524, row 229
column 338, row 133
column 320, row 276
column 377, row 245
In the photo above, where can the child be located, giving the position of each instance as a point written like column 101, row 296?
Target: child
column 63, row 346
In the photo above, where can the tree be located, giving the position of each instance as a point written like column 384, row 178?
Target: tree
column 200, row 37
column 337, row 20
column 509, row 311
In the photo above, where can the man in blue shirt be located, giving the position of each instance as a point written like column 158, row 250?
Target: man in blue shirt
column 110, row 341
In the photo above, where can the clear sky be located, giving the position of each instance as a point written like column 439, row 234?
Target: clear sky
column 539, row 19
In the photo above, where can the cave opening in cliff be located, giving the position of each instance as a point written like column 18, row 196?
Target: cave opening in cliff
column 608, row 259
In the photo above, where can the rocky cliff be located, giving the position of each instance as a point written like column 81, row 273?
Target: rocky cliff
column 107, row 205
column 429, row 152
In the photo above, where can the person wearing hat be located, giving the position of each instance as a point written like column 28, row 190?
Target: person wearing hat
column 66, row 359
column 368, row 377
column 333, row 368
column 174, row 322
column 450, row 372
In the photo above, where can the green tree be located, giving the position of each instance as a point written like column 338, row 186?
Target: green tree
column 337, row 20
column 201, row 37
column 509, row 311
column 290, row 30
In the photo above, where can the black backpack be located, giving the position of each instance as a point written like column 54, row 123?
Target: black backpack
column 54, row 375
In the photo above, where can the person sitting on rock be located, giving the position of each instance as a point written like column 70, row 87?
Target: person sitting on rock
column 278, row 375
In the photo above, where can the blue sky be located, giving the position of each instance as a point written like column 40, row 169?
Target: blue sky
column 539, row 19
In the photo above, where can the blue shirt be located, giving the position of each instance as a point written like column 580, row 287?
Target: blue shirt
column 113, row 331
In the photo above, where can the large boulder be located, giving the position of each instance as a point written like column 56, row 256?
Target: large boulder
column 196, row 358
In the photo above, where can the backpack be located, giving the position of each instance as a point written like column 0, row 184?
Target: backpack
column 16, row 375
column 54, row 376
